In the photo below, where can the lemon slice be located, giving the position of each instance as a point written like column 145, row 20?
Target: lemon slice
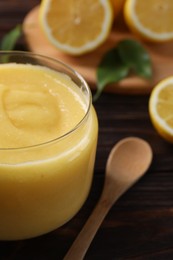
column 150, row 19
column 76, row 26
column 161, row 108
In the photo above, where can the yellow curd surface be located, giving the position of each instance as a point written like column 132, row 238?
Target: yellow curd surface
column 32, row 109
column 42, row 185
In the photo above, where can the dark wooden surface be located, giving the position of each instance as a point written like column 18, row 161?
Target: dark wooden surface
column 140, row 225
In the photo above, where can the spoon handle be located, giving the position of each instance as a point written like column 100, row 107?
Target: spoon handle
column 80, row 246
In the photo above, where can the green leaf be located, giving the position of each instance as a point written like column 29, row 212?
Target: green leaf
column 110, row 70
column 129, row 55
column 9, row 40
column 134, row 55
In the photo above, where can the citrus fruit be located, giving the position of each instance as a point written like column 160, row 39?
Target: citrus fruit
column 117, row 6
column 76, row 27
column 161, row 108
column 151, row 19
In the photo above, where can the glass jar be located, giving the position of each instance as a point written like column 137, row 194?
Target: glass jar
column 42, row 184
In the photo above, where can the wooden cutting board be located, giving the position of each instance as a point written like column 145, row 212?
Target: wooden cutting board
column 161, row 55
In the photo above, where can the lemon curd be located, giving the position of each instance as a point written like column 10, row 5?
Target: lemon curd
column 48, row 138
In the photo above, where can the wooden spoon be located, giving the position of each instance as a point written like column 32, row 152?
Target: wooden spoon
column 128, row 161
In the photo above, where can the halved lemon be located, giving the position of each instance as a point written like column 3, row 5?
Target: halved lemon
column 161, row 108
column 150, row 19
column 76, row 26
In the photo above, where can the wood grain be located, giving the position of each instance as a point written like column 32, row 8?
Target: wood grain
column 161, row 55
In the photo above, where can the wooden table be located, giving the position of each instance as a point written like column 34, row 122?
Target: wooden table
column 140, row 225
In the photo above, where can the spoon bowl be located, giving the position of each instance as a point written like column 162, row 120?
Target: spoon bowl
column 128, row 160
